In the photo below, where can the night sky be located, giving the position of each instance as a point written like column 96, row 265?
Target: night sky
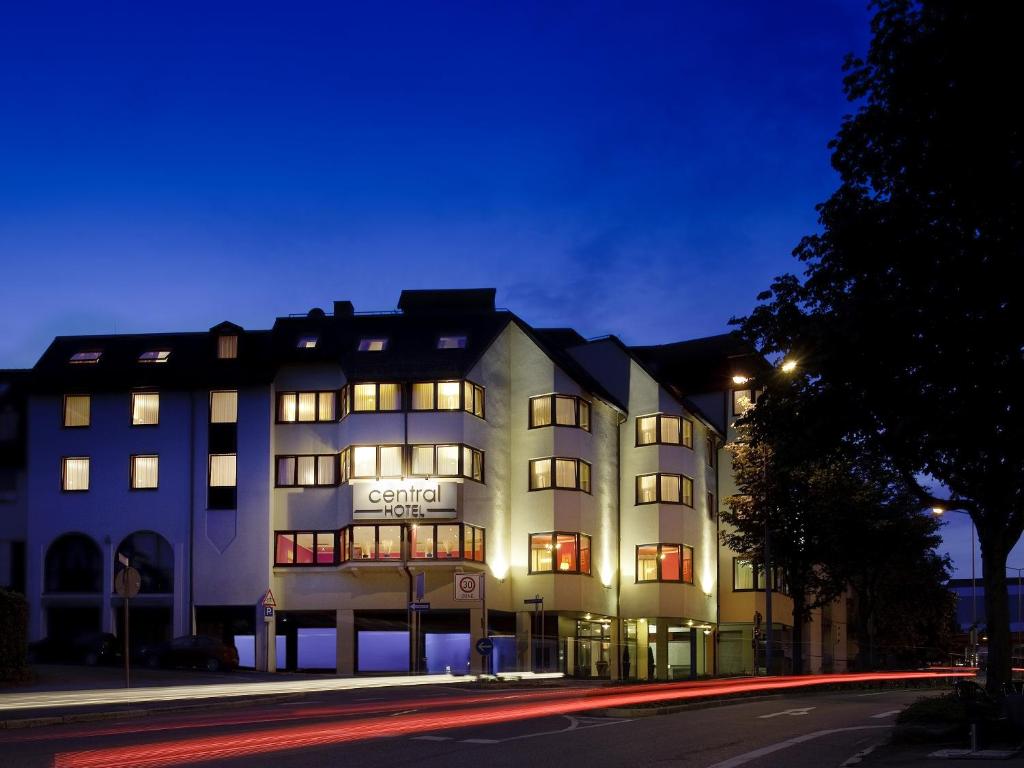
column 641, row 169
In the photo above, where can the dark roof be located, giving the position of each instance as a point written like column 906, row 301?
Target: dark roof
column 699, row 366
column 192, row 364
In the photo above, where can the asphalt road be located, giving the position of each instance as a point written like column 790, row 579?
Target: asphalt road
column 442, row 726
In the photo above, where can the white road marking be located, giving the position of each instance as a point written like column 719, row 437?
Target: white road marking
column 890, row 713
column 855, row 759
column 575, row 723
column 795, row 712
column 879, row 693
column 480, row 741
column 431, row 738
column 746, row 757
column 402, row 712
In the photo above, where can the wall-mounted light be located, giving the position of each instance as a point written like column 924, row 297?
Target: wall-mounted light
column 740, row 379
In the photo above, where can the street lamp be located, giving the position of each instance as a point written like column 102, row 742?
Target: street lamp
column 937, row 511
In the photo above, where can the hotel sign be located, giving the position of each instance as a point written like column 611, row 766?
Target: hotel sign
column 404, row 500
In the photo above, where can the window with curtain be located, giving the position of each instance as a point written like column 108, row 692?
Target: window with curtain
column 305, row 470
column 559, row 410
column 448, row 460
column 370, row 397
column 448, row 398
column 423, row 396
column 76, row 410
column 306, row 406
column 75, row 473
column 222, row 470
column 561, row 473
column 224, row 407
column 227, row 347
column 305, row 548
column 742, row 574
column 144, row 472
column 664, row 562
column 664, row 429
column 145, row 408
column 391, row 461
column 559, row 552
column 364, row 461
column 664, row 488
column 422, row 462
column 364, row 397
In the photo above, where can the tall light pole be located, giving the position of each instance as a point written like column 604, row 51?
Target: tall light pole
column 974, row 582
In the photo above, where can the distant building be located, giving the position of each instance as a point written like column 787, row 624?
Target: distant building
column 353, row 464
column 13, row 481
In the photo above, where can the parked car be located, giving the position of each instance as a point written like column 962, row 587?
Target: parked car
column 91, row 648
column 192, row 651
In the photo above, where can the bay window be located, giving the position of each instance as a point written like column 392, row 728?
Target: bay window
column 446, row 541
column 664, row 562
column 371, row 397
column 560, row 552
column 664, row 429
column 460, row 395
column 664, row 488
column 446, row 461
column 559, row 410
column 561, row 473
column 371, row 462
column 305, row 548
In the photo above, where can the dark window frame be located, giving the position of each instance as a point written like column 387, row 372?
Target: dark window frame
column 578, row 408
column 478, row 397
column 686, row 430
column 752, row 392
column 683, row 480
column 91, row 361
column 347, row 461
column 334, row 535
column 63, row 474
column 295, row 394
column 464, row 528
column 552, row 472
column 316, row 470
column 778, row 577
column 683, row 549
column 462, row 472
column 131, row 471
column 578, row 571
column 384, row 348
column 348, row 398
column 221, row 496
column 349, row 542
column 64, row 411
column 131, row 408
column 463, row 336
column 154, row 360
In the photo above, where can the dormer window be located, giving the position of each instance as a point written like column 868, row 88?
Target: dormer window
column 86, row 357
column 373, row 344
column 155, row 356
column 308, row 342
column 457, row 341
column 227, row 347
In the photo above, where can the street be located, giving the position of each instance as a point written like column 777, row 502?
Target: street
column 442, row 726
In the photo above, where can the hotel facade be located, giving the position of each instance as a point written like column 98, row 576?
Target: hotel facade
column 369, row 470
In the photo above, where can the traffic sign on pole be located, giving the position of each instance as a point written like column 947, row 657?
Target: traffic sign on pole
column 484, row 646
column 419, row 606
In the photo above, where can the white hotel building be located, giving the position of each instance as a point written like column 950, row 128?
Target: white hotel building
column 347, row 462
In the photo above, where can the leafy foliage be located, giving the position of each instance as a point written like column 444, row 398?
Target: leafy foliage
column 908, row 318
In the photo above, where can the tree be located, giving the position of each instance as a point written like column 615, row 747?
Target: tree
column 908, row 317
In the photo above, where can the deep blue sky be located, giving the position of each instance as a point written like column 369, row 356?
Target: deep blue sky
column 636, row 168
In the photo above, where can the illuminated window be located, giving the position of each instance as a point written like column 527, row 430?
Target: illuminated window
column 567, row 474
column 373, row 542
column 664, row 562
column 373, row 344
column 76, row 410
column 372, row 462
column 446, row 541
column 306, row 406
column 86, row 357
column 307, row 471
column 308, row 548
column 664, row 429
column 448, row 396
column 746, row 577
column 145, row 408
column 371, row 397
column 145, row 472
column 155, row 356
column 559, row 552
column 75, row 473
column 451, row 342
column 227, row 347
column 446, row 461
column 221, row 493
column 224, row 407
column 307, row 342
column 742, row 400
column 664, row 488
column 560, row 410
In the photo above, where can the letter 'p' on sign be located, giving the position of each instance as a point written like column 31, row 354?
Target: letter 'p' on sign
column 469, row 586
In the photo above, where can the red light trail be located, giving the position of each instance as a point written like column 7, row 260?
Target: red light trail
column 191, row 750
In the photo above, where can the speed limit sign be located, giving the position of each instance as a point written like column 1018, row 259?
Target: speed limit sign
column 469, row 586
